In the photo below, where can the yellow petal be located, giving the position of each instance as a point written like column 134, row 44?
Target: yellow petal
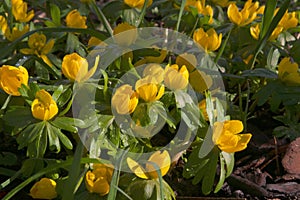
column 234, row 126
column 162, row 160
column 136, row 168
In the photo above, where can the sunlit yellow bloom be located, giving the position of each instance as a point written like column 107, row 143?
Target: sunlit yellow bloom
column 3, row 24
column 153, row 59
column 38, row 46
column 76, row 68
column 137, row 3
column 226, row 136
column 175, row 78
column 161, row 159
column 255, row 31
column 201, row 8
column 154, row 70
column 149, row 89
column 11, row 79
column 44, row 189
column 202, row 107
column 75, row 20
column 43, row 107
column 200, row 81
column 125, row 39
column 247, row 15
column 288, row 72
column 189, row 60
column 222, row 3
column 209, row 40
column 15, row 33
column 98, row 180
column 19, row 11
column 125, row 100
column 288, row 20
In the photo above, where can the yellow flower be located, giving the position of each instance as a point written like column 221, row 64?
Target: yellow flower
column 11, row 79
column 98, row 180
column 226, row 136
column 15, row 33
column 200, row 81
column 75, row 67
column 247, row 15
column 125, row 39
column 222, row 3
column 44, row 189
column 209, row 40
column 137, row 3
column 189, row 60
column 3, row 24
column 289, row 20
column 255, row 31
column 202, row 107
column 43, row 107
column 161, row 159
column 154, row 70
column 125, row 100
column 201, row 8
column 149, row 89
column 288, row 72
column 75, row 20
column 175, row 78
column 153, row 59
column 19, row 11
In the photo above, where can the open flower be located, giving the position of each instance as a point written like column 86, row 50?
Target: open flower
column 154, row 70
column 3, row 24
column 125, row 100
column 98, row 180
column 19, row 11
column 44, row 189
column 11, row 79
column 137, row 3
column 125, row 39
column 201, row 8
column 15, row 33
column 255, row 32
column 149, row 89
column 288, row 20
column 175, row 78
column 209, row 40
column 38, row 46
column 43, row 107
column 226, row 136
column 76, row 68
column 247, row 15
column 75, row 20
column 161, row 159
column 288, row 72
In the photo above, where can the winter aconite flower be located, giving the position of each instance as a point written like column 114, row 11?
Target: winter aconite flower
column 149, row 89
column 255, row 32
column 247, row 15
column 202, row 107
column 124, row 100
column 19, row 11
column 39, row 46
column 288, row 72
column 44, row 189
column 226, row 136
column 98, row 180
column 209, row 40
column 15, row 33
column 3, row 24
column 288, row 20
column 75, row 20
column 11, row 79
column 137, row 3
column 154, row 70
column 161, row 159
column 76, row 68
column 125, row 39
column 43, row 107
column 201, row 8
column 175, row 78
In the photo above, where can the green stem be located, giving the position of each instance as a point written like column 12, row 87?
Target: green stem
column 142, row 14
column 6, row 102
column 67, row 108
column 11, row 179
column 102, row 18
column 180, row 15
column 105, row 78
column 247, row 106
column 221, row 51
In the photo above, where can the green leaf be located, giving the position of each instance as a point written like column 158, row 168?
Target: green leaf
column 57, row 92
column 222, row 174
column 53, row 138
column 8, row 159
column 67, row 123
column 207, row 145
column 229, row 161
column 260, row 72
column 30, row 134
column 267, row 17
column 37, row 148
column 64, row 97
column 24, row 116
column 55, row 14
column 63, row 138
